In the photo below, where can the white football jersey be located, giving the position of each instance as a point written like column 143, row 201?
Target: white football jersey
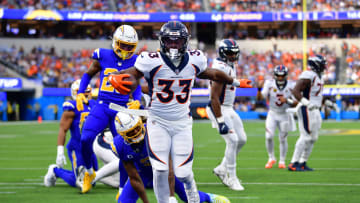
column 272, row 92
column 314, row 93
column 170, row 86
column 227, row 96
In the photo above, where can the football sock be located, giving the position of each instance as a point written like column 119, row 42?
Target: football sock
column 307, row 151
column 161, row 185
column 67, row 175
column 107, row 170
column 299, row 149
column 283, row 147
column 269, row 142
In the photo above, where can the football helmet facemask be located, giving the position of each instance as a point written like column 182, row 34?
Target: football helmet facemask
column 124, row 42
column 280, row 75
column 228, row 50
column 317, row 63
column 130, row 127
column 174, row 38
column 75, row 88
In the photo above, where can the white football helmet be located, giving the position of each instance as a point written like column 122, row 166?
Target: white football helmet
column 75, row 87
column 124, row 42
column 130, row 127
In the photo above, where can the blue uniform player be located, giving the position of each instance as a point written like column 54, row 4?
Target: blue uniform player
column 71, row 119
column 130, row 147
column 106, row 61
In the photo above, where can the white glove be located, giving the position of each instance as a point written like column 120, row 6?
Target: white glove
column 304, row 101
column 60, row 157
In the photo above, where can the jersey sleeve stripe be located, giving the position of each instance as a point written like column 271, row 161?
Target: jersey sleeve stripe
column 150, row 81
column 197, row 69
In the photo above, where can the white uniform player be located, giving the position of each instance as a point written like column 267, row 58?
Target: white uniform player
column 308, row 91
column 223, row 116
column 278, row 93
column 170, row 74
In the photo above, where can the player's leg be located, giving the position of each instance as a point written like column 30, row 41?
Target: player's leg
column 182, row 153
column 315, row 126
column 158, row 143
column 95, row 123
column 238, row 126
column 270, row 127
column 128, row 194
column 70, row 176
column 284, row 128
column 304, row 128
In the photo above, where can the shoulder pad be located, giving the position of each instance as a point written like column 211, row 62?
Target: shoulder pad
column 68, row 106
column 96, row 54
column 147, row 60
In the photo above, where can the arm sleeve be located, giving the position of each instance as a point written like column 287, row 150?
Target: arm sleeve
column 137, row 93
column 85, row 80
column 200, row 61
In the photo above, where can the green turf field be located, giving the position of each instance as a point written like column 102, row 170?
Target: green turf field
column 26, row 150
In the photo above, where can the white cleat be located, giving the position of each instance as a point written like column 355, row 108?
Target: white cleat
column 80, row 176
column 172, row 199
column 234, row 183
column 50, row 177
column 220, row 172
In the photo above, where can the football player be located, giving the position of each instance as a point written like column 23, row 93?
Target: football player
column 278, row 92
column 106, row 61
column 308, row 90
column 223, row 116
column 170, row 74
column 133, row 153
column 72, row 120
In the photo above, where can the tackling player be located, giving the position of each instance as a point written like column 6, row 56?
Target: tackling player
column 308, row 90
column 170, row 74
column 106, row 61
column 133, row 153
column 223, row 116
column 72, row 120
column 278, row 92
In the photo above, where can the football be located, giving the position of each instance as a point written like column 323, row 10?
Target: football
column 118, row 81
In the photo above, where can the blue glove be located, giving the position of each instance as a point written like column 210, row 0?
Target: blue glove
column 223, row 128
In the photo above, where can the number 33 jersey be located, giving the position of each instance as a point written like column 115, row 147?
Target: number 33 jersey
column 273, row 93
column 170, row 86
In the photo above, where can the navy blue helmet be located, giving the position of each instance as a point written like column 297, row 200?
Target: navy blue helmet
column 317, row 63
column 280, row 75
column 228, row 50
column 174, row 38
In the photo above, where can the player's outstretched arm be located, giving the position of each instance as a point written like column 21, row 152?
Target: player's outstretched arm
column 65, row 124
column 85, row 80
column 216, row 88
column 135, row 180
column 220, row 76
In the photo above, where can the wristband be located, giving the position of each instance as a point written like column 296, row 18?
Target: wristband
column 289, row 101
column 60, row 149
column 84, row 83
column 304, row 101
column 235, row 83
column 220, row 119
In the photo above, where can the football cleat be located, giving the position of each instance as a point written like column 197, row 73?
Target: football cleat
column 295, row 167
column 233, row 183
column 218, row 198
column 220, row 172
column 172, row 199
column 87, row 182
column 50, row 177
column 270, row 163
column 192, row 193
column 305, row 167
column 282, row 165
column 80, row 177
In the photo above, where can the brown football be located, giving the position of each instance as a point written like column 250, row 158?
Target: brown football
column 134, row 83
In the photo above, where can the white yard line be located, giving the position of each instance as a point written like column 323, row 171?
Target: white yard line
column 319, row 169
column 305, row 184
column 7, row 192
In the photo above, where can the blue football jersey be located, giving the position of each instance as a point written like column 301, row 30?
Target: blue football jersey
column 78, row 121
column 109, row 63
column 140, row 157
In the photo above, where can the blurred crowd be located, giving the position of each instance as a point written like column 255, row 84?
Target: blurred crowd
column 353, row 64
column 183, row 5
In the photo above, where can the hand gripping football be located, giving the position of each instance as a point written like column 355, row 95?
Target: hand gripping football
column 123, row 83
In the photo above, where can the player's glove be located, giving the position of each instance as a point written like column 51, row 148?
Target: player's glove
column 242, row 83
column 133, row 104
column 118, row 82
column 60, row 158
column 80, row 100
column 332, row 105
column 223, row 128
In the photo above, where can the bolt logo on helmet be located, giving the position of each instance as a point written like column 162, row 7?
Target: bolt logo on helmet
column 317, row 63
column 130, row 127
column 75, row 88
column 228, row 50
column 174, row 38
column 124, row 42
column 280, row 75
